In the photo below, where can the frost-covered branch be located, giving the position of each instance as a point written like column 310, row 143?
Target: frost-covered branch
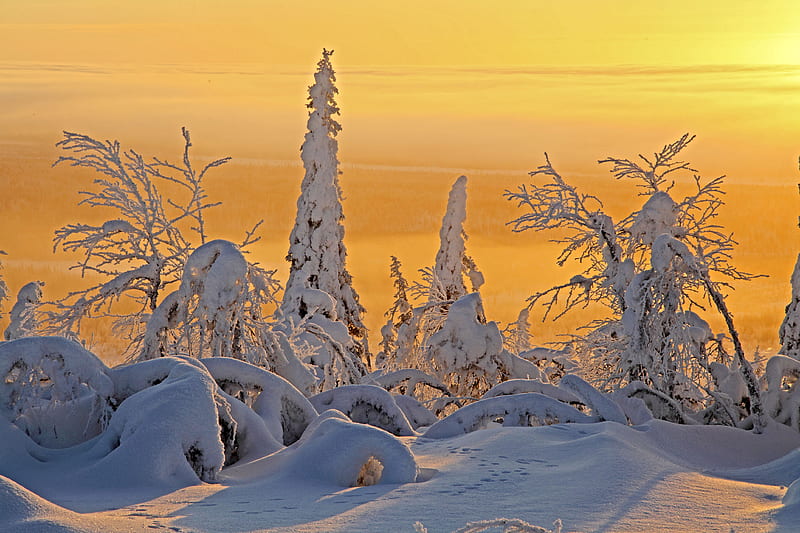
column 141, row 251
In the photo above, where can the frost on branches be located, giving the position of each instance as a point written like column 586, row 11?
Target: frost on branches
column 316, row 251
column 654, row 271
column 141, row 251
column 216, row 312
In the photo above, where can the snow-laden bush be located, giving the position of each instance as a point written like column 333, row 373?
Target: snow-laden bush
column 284, row 409
column 216, row 312
column 366, row 404
column 405, row 381
column 338, row 451
column 656, row 403
column 23, row 319
column 467, row 353
column 652, row 270
column 249, row 426
column 54, row 390
column 528, row 409
column 602, row 406
column 782, row 401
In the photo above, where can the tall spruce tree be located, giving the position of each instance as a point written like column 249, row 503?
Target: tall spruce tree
column 452, row 262
column 316, row 251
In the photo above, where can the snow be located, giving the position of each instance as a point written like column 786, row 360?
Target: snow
column 367, row 404
column 594, row 477
column 529, row 409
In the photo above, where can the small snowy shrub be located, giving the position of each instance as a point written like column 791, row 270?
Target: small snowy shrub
column 23, row 317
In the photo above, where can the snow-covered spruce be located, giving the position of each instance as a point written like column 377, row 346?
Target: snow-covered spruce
column 338, row 451
column 284, row 409
column 316, row 245
column 366, row 404
column 23, row 320
column 54, row 390
column 452, row 263
column 529, row 409
column 789, row 332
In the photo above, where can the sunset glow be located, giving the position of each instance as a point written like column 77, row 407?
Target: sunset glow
column 428, row 91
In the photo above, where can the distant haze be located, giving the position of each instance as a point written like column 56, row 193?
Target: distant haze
column 427, row 92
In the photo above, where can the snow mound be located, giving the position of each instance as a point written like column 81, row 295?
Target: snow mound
column 338, row 451
column 165, row 434
column 18, row 504
column 54, row 390
column 416, row 413
column 366, row 404
column 284, row 409
column 521, row 386
column 603, row 407
column 530, row 409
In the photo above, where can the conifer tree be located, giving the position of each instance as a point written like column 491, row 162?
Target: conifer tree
column 452, row 262
column 317, row 252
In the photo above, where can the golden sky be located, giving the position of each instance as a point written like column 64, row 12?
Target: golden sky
column 429, row 90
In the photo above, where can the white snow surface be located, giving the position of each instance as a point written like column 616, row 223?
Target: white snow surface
column 594, row 477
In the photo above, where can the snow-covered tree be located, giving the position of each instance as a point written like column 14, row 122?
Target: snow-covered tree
column 517, row 335
column 652, row 270
column 142, row 250
column 398, row 314
column 789, row 332
column 217, row 312
column 316, row 251
column 23, row 317
column 452, row 262
column 441, row 285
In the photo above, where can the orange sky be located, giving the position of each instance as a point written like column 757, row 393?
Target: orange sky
column 429, row 90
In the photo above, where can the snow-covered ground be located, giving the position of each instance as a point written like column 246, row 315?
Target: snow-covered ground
column 594, row 477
